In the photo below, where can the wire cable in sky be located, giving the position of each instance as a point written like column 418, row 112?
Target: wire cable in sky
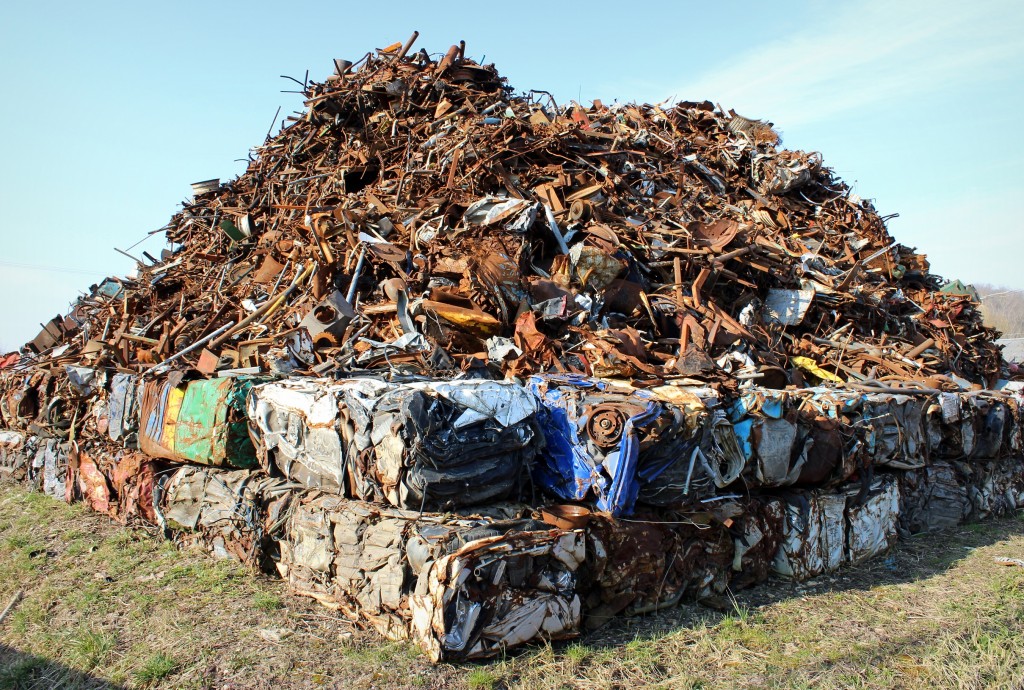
column 55, row 269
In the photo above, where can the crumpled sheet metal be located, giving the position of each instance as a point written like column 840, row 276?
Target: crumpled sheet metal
column 871, row 523
column 932, row 498
column 294, row 426
column 796, row 437
column 820, row 436
column 15, row 461
column 234, row 512
column 437, row 445
column 823, row 531
column 644, row 565
column 814, row 535
column 498, row 593
column 87, row 482
column 894, row 426
column 134, row 480
column 765, row 425
column 200, row 421
column 615, row 445
column 757, row 535
column 53, row 460
column 461, row 587
column 123, row 409
column 996, row 488
column 949, row 424
column 994, row 421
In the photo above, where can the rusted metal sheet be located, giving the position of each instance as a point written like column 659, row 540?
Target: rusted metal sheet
column 199, row 421
column 895, row 429
column 499, row 593
column 757, row 534
column 87, row 482
column 134, row 481
column 643, row 565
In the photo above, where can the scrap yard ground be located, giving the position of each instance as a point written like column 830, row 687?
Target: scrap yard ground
column 106, row 606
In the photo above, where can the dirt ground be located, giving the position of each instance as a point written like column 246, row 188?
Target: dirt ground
column 104, row 606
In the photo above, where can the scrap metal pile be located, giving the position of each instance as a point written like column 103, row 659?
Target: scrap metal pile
column 477, row 368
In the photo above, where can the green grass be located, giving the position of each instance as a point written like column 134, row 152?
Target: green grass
column 89, row 648
column 482, row 679
column 154, row 669
column 266, row 601
column 20, row 673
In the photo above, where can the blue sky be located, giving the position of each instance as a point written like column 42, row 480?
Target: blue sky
column 110, row 110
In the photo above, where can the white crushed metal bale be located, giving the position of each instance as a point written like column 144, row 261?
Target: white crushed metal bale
column 461, row 587
column 294, row 427
column 814, row 536
column 871, row 526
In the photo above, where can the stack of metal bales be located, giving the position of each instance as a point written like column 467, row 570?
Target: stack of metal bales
column 474, row 515
column 477, row 369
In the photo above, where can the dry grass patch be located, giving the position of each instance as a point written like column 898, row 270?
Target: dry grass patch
column 108, row 606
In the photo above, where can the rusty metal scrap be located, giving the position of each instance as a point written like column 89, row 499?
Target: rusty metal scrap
column 428, row 201
column 478, row 368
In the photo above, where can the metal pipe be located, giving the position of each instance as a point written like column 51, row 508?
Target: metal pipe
column 553, row 225
column 267, row 306
column 190, row 348
column 355, row 276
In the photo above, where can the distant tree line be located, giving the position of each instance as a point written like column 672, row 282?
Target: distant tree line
column 1003, row 309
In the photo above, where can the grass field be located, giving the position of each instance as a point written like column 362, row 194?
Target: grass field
column 107, row 606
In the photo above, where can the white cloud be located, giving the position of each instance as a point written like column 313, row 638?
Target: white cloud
column 868, row 53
